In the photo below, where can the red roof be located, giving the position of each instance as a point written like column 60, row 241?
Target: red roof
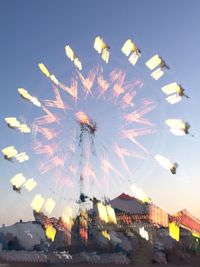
column 184, row 218
column 125, row 197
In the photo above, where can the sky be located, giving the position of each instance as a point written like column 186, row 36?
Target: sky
column 37, row 31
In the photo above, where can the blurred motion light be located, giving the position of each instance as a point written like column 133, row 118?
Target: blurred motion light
column 173, row 99
column 9, row 152
column 44, row 70
column 30, row 184
column 37, row 202
column 153, row 62
column 157, row 74
column 166, row 163
column 18, row 180
column 49, row 205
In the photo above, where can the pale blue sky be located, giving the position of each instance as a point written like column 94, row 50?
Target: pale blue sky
column 34, row 31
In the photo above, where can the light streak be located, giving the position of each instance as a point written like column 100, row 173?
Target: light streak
column 73, row 57
column 30, row 184
column 153, row 62
column 18, row 180
column 140, row 194
column 46, row 119
column 87, row 82
column 166, row 163
column 137, row 115
column 82, row 117
column 49, row 205
column 37, row 202
column 9, row 152
column 58, row 102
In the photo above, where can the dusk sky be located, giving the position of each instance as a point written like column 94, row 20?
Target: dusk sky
column 37, row 31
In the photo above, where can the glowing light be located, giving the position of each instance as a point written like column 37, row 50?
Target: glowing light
column 177, row 126
column 107, row 166
column 99, row 44
column 58, row 102
column 177, row 132
column 174, row 231
column 128, row 47
column 137, row 115
column 50, row 232
column 46, row 119
column 35, row 101
column 105, row 234
column 133, row 133
column 153, row 62
column 49, row 134
column 101, row 47
column 49, row 75
column 175, row 123
column 23, row 128
column 103, row 84
column 127, row 100
column 54, row 79
column 72, row 90
column 69, row 52
column 105, row 55
column 44, row 70
column 117, row 76
column 133, row 58
column 166, row 163
column 30, row 184
column 22, row 157
column 175, row 91
column 72, row 56
column 18, row 180
column 111, row 214
column 24, row 93
column 121, row 153
column 103, row 215
column 55, row 161
column 140, row 194
column 171, row 88
column 118, row 89
column 37, row 202
column 87, row 82
column 45, row 149
column 77, row 63
column 67, row 217
column 143, row 233
column 173, row 99
column 49, row 205
column 9, row 152
column 82, row 117
column 106, row 213
column 157, row 74
column 12, row 122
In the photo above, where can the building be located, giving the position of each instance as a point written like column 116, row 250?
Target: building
column 187, row 221
column 131, row 210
